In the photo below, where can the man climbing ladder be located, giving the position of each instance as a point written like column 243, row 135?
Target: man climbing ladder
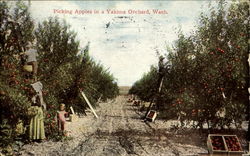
column 32, row 55
column 157, row 97
column 161, row 74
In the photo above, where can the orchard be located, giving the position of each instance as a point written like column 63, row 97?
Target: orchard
column 208, row 76
column 63, row 68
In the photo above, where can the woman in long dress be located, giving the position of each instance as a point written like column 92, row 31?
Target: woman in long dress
column 36, row 129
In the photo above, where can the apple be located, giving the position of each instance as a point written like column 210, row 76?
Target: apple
column 232, row 143
column 217, row 143
column 2, row 92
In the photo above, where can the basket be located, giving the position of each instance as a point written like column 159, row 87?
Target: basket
column 28, row 68
column 73, row 117
column 32, row 111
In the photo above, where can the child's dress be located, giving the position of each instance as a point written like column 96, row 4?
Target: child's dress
column 61, row 119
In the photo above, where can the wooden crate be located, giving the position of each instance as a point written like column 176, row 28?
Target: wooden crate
column 73, row 117
column 220, row 154
column 233, row 144
column 216, row 144
column 146, row 104
column 229, row 144
column 136, row 102
column 151, row 116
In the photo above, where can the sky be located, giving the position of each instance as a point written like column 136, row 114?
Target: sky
column 124, row 43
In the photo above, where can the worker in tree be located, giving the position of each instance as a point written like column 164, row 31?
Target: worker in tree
column 38, row 86
column 157, row 97
column 32, row 55
column 161, row 73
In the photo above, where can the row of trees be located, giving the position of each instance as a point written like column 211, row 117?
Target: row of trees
column 207, row 71
column 64, row 69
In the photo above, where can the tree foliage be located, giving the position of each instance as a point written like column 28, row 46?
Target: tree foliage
column 63, row 68
column 208, row 70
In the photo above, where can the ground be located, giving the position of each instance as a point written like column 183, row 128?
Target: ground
column 119, row 131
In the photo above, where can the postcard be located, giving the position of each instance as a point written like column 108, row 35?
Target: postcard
column 162, row 78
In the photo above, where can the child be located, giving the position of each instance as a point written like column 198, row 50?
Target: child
column 61, row 118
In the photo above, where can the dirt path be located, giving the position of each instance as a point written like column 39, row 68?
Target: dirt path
column 119, row 131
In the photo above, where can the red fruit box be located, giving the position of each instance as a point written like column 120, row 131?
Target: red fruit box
column 233, row 144
column 229, row 144
column 216, row 144
column 151, row 116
